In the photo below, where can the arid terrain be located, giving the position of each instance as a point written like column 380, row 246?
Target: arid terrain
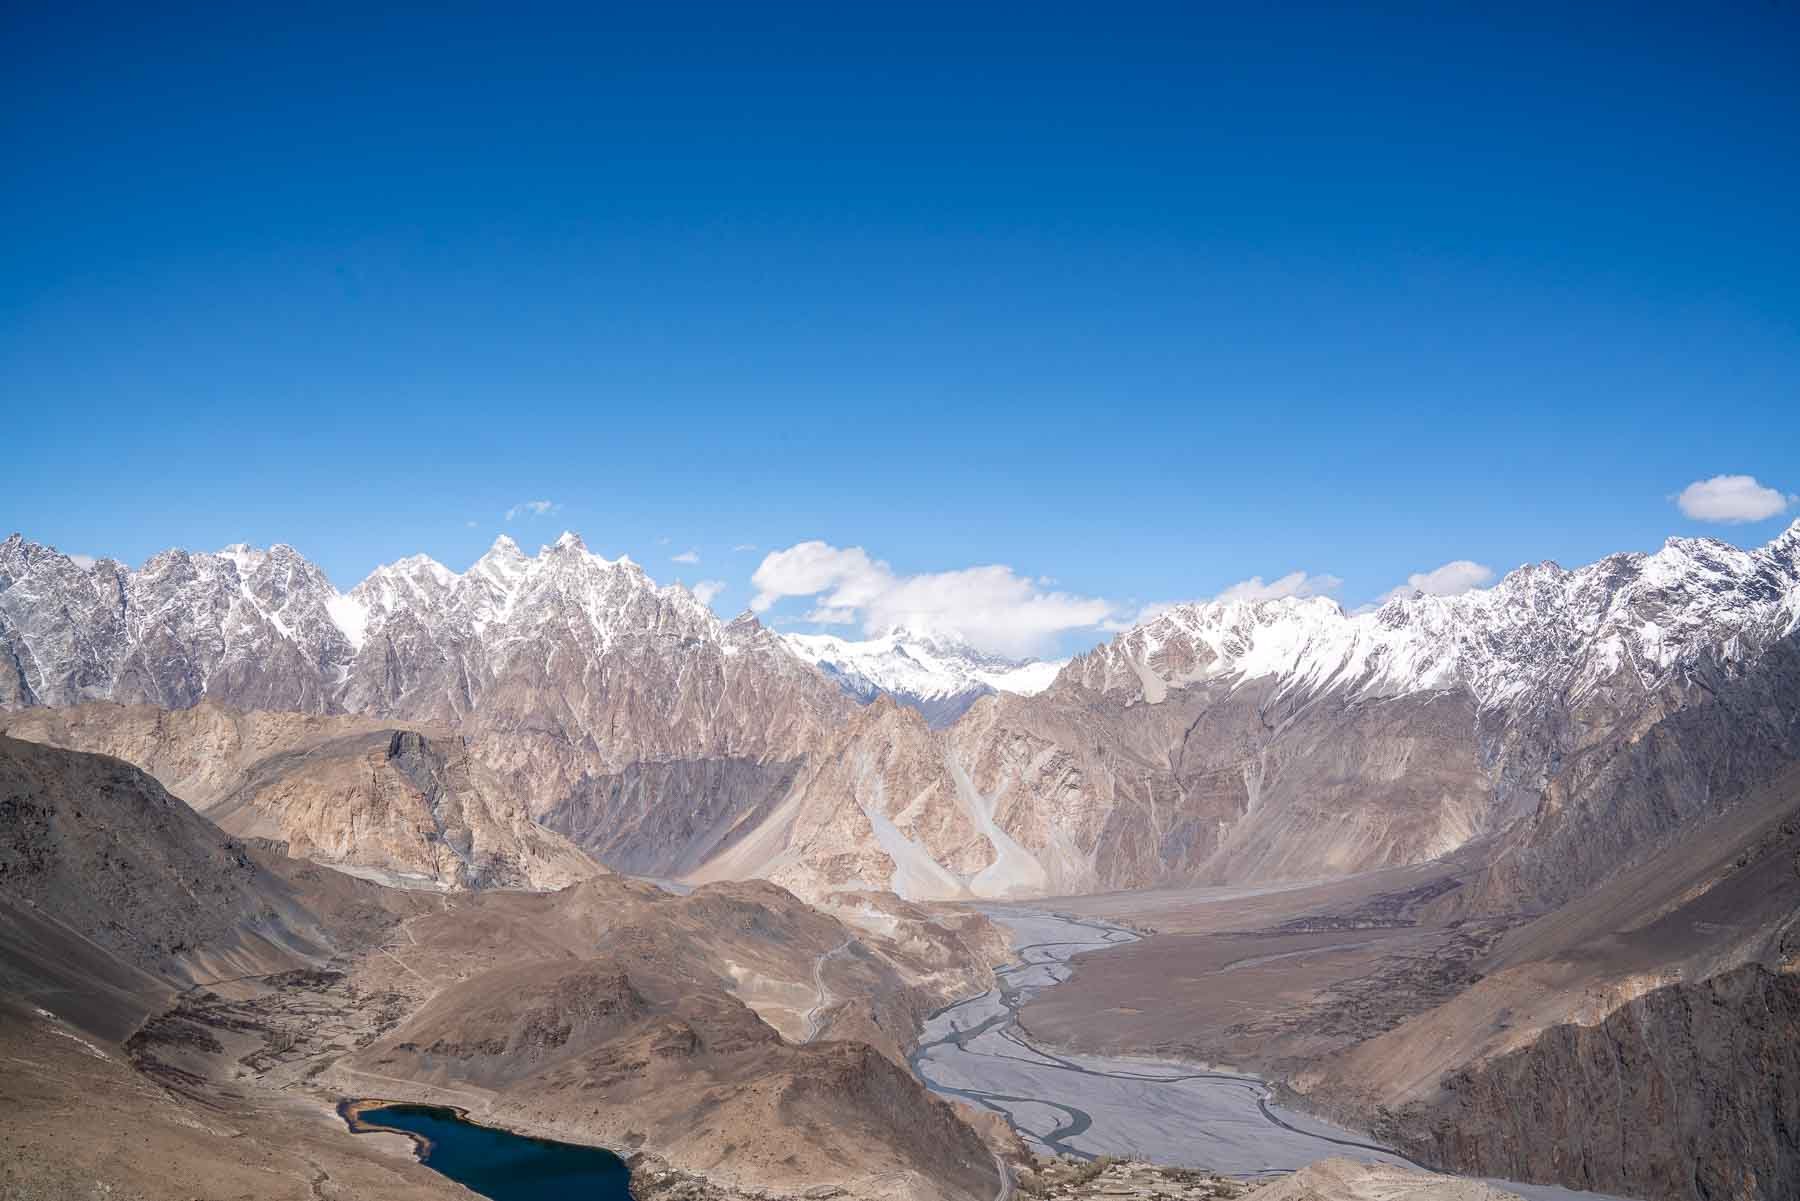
column 235, row 1011
column 1503, row 884
column 1375, row 1003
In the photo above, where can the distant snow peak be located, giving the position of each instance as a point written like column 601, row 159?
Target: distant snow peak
column 268, row 628
column 938, row 674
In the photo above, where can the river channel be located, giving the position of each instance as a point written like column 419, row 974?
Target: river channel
column 1088, row 1105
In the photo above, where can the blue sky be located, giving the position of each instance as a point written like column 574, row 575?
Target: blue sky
column 1146, row 306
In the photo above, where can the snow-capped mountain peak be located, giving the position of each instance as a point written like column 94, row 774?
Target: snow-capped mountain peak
column 937, row 674
column 1542, row 630
column 270, row 613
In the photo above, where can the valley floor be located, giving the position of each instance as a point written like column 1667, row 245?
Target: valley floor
column 1262, row 979
column 1089, row 1105
column 1135, row 1102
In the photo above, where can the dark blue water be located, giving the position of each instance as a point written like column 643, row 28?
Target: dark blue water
column 500, row 1164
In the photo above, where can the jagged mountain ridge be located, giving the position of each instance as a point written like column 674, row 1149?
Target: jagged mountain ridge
column 1542, row 630
column 1247, row 741
column 185, row 624
column 591, row 690
column 1219, row 742
column 937, row 675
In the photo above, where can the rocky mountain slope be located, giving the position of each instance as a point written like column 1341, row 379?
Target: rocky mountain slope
column 205, row 1002
column 1632, row 1040
column 1256, row 741
column 1677, row 1094
column 939, row 676
column 116, row 901
column 404, row 806
column 93, row 845
column 593, row 693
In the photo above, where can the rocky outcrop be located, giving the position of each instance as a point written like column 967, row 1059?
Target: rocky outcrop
column 1348, row 1180
column 408, row 807
column 1684, row 1094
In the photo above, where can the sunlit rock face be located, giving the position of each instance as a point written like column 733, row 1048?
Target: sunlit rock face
column 406, row 806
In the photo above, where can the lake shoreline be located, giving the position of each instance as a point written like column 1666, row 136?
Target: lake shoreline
column 492, row 1161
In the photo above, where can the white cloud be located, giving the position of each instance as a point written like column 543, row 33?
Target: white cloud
column 809, row 568
column 471, row 525
column 1452, row 579
column 686, row 556
column 832, row 617
column 82, row 561
column 706, row 590
column 1294, row 583
column 743, row 546
column 532, row 508
column 991, row 606
column 1732, row 499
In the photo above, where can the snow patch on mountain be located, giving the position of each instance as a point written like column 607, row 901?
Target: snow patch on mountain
column 1027, row 679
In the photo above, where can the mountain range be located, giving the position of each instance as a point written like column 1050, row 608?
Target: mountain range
column 1216, row 742
column 1578, row 786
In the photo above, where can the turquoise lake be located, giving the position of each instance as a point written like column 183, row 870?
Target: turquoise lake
column 502, row 1165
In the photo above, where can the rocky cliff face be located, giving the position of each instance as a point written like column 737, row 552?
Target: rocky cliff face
column 405, row 806
column 1648, row 1012
column 1684, row 1094
column 1617, row 801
